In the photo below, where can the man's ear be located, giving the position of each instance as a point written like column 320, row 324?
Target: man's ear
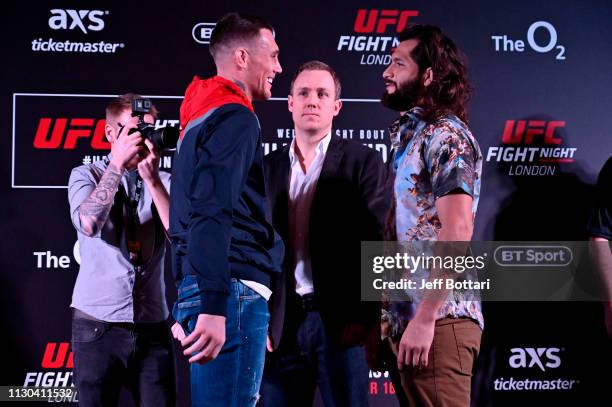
column 241, row 58
column 337, row 107
column 290, row 103
column 428, row 77
column 110, row 133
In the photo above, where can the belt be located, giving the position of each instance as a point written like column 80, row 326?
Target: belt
column 308, row 302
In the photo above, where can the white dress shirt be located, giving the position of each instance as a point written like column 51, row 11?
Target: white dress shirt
column 302, row 186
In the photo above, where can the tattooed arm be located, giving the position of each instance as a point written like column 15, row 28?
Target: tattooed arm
column 94, row 211
column 90, row 208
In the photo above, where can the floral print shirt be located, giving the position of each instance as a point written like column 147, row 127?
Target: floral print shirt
column 429, row 161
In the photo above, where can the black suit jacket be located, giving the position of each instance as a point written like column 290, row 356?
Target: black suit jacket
column 349, row 206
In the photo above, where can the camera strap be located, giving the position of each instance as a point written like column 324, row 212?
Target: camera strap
column 135, row 188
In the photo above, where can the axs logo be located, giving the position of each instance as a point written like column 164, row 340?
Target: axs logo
column 530, row 357
column 68, row 19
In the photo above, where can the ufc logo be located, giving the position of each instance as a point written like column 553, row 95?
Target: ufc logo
column 530, row 357
column 78, row 128
column 369, row 20
column 525, row 131
column 60, row 359
column 70, row 19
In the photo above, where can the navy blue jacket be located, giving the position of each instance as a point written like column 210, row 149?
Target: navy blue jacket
column 218, row 206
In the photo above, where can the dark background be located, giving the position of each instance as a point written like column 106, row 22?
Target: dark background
column 160, row 57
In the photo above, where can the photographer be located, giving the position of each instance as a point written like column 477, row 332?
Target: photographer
column 119, row 207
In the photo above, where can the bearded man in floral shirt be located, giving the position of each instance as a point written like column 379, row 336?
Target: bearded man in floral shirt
column 437, row 167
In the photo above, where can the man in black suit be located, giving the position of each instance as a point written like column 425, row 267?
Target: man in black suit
column 326, row 196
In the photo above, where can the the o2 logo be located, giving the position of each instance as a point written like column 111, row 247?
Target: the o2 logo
column 547, row 42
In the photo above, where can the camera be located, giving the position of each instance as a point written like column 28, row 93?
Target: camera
column 164, row 138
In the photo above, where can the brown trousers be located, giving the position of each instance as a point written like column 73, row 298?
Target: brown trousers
column 446, row 381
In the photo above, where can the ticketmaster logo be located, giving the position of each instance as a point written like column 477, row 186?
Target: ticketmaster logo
column 85, row 21
column 513, row 384
column 50, row 45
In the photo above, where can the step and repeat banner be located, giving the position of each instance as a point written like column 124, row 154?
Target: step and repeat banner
column 541, row 103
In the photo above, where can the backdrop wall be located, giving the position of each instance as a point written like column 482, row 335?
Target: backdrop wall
column 541, row 77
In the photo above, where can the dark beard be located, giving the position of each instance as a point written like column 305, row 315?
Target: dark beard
column 404, row 98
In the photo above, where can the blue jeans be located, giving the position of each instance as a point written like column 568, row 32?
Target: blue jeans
column 293, row 371
column 234, row 377
column 109, row 355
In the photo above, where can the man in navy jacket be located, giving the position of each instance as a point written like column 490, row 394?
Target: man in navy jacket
column 224, row 251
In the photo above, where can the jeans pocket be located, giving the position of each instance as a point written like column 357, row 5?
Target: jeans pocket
column 87, row 331
column 189, row 304
column 186, row 314
column 246, row 293
column 250, row 297
column 188, row 288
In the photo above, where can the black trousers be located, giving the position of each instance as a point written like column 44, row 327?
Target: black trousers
column 108, row 356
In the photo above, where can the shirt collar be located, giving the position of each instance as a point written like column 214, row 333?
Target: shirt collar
column 402, row 129
column 321, row 148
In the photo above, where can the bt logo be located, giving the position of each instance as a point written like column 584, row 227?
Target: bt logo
column 202, row 32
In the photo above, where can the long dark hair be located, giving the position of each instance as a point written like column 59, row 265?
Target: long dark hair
column 450, row 91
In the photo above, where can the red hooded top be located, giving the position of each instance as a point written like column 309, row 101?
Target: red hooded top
column 205, row 94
